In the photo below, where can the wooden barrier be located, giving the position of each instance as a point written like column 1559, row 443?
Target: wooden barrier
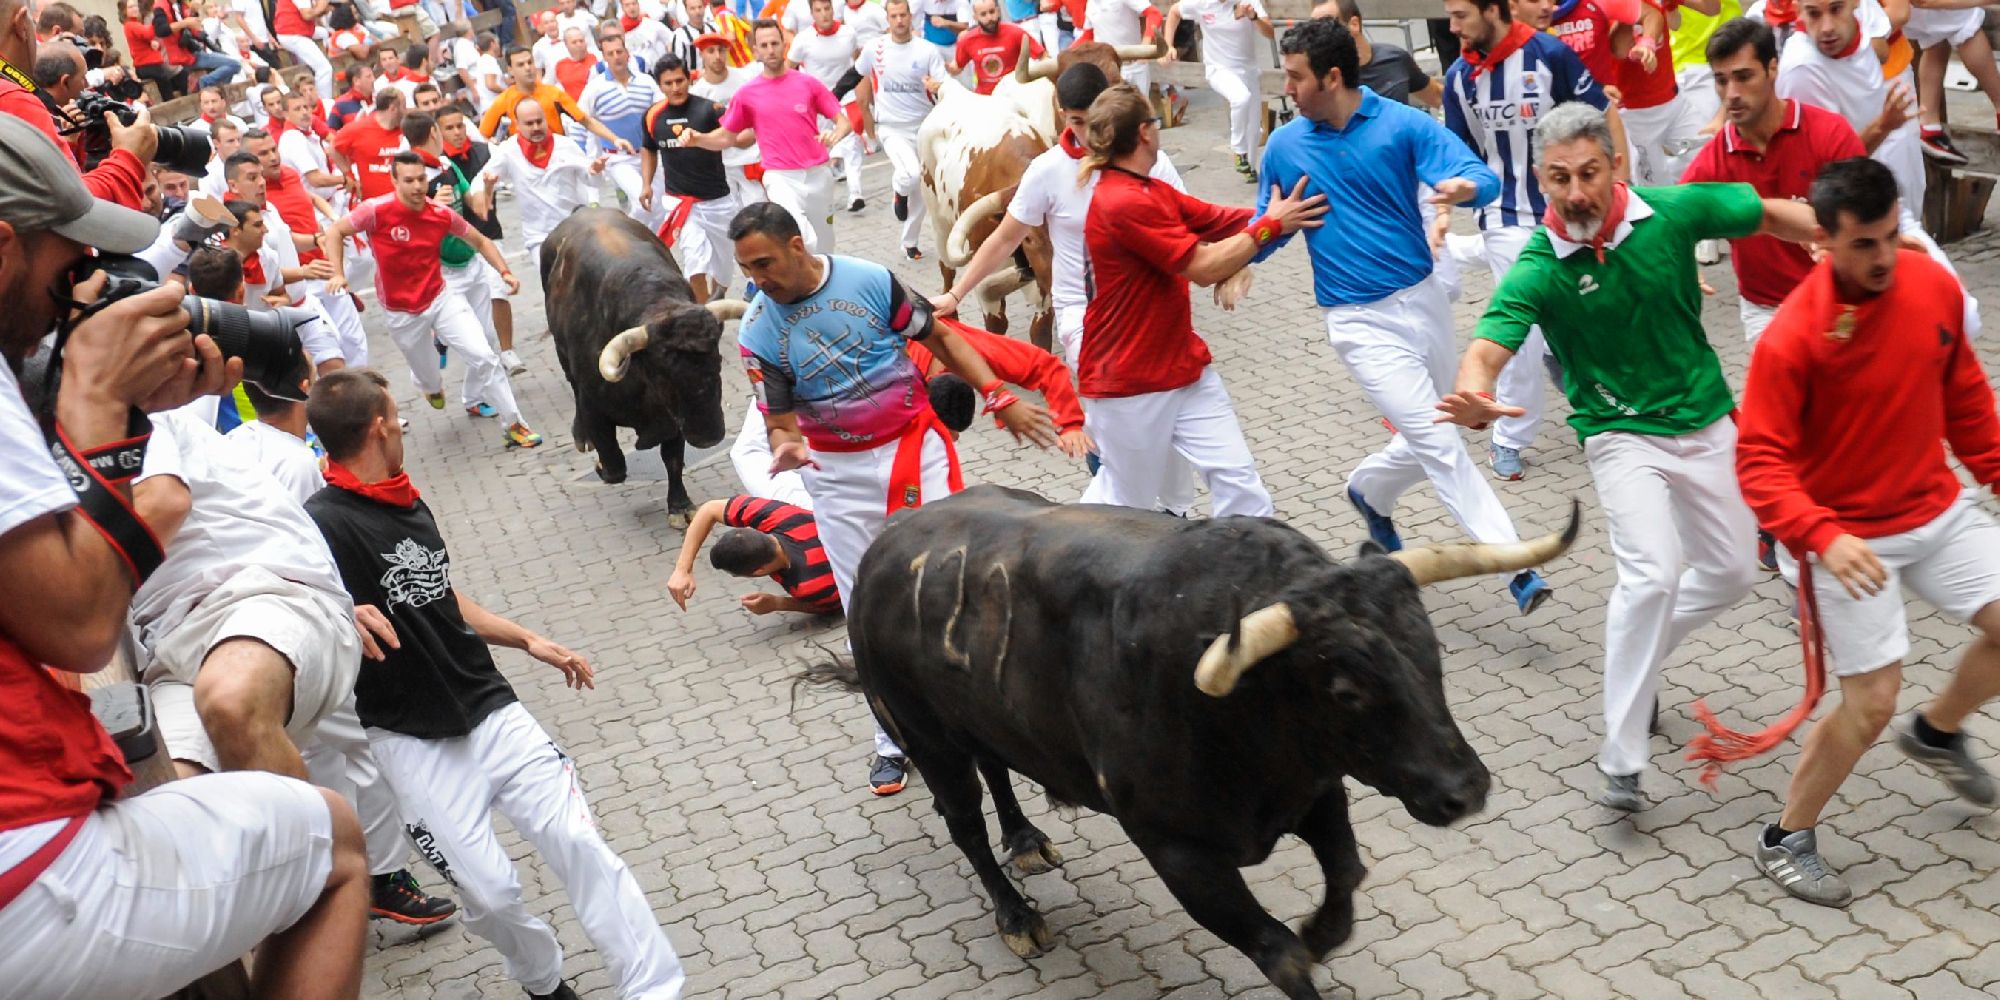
column 1955, row 198
column 181, row 110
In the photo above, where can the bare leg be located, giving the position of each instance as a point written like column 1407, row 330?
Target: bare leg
column 699, row 285
column 1931, row 64
column 244, row 696
column 1977, row 55
column 503, row 323
column 1867, row 703
column 1977, row 679
column 319, row 958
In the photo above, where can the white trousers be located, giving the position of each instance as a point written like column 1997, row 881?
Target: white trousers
column 449, row 789
column 1755, row 318
column 1045, row 28
column 626, row 177
column 338, row 758
column 158, row 890
column 471, row 282
column 308, row 54
column 1520, row 382
column 705, row 244
column 899, row 141
column 1400, row 351
column 1138, row 73
column 1651, row 132
column 808, row 195
column 1685, row 544
column 850, row 503
column 1138, row 436
column 450, row 317
column 1240, row 90
column 852, row 152
column 751, row 457
column 747, row 191
column 1697, row 83
column 350, row 337
column 1177, row 494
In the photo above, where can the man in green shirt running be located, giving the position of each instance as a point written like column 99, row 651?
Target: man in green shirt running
column 1611, row 280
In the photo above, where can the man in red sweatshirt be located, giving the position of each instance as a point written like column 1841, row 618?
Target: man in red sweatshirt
column 1866, row 492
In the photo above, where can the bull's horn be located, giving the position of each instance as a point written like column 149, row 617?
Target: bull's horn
column 727, row 309
column 958, row 248
column 1263, row 632
column 1153, row 50
column 1436, row 563
column 1001, row 284
column 612, row 361
column 1030, row 70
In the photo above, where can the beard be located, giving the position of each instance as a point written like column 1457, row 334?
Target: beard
column 1583, row 230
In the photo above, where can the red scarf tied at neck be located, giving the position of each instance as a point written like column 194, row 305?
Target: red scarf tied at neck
column 1071, row 144
column 1614, row 214
column 538, row 155
column 828, row 31
column 1517, row 35
column 450, row 150
column 395, row 491
column 628, row 23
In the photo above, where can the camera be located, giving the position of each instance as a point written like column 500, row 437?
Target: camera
column 179, row 149
column 266, row 340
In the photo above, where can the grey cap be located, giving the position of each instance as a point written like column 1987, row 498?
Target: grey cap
column 40, row 189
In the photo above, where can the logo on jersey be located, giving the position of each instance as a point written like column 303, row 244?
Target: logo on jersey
column 1585, row 285
column 400, row 234
column 1529, row 83
column 417, row 575
column 1584, row 83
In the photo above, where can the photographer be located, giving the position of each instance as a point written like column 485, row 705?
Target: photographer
column 121, row 176
column 228, row 860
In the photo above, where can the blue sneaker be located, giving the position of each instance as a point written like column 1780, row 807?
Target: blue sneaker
column 1506, row 462
column 481, row 410
column 444, row 353
column 1529, row 590
column 1380, row 528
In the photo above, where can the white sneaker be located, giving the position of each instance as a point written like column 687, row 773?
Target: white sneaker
column 1708, row 252
column 512, row 362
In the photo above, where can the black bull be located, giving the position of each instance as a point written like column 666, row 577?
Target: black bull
column 995, row 632
column 607, row 280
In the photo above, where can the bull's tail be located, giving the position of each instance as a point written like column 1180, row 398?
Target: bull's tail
column 836, row 672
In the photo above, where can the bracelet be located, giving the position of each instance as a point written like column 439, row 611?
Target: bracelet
column 1487, row 396
column 1000, row 400
column 101, row 505
column 991, row 387
column 1264, row 230
column 1646, row 43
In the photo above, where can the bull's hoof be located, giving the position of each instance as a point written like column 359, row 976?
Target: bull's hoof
column 609, row 476
column 1031, row 853
column 1031, row 936
column 678, row 519
column 582, row 445
column 1328, row 929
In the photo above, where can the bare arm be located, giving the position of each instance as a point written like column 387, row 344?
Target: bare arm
column 1789, row 220
column 1173, row 25
column 719, row 140
column 64, row 600
column 1212, row 262
column 334, row 242
column 1616, row 122
column 497, row 631
column 1709, row 7
column 706, row 517
column 1431, row 96
column 864, row 95
column 491, row 253
column 998, row 247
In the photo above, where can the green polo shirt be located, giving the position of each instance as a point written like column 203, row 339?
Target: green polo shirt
column 1628, row 331
column 453, row 252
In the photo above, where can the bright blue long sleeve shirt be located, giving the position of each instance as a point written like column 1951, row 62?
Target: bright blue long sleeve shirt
column 1373, row 243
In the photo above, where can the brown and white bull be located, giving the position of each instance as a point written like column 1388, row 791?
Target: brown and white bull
column 974, row 148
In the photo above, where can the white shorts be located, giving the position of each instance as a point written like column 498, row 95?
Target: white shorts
column 1953, row 563
column 312, row 629
column 161, row 889
column 1926, row 27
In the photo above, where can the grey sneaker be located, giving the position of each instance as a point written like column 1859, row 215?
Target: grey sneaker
column 1506, row 462
column 1621, row 792
column 1955, row 765
column 1798, row 869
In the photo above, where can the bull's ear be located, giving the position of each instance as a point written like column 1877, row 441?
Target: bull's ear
column 1369, row 548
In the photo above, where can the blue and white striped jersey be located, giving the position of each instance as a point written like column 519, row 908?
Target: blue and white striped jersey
column 622, row 109
column 1496, row 112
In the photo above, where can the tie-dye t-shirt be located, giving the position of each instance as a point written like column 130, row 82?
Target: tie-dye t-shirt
column 836, row 358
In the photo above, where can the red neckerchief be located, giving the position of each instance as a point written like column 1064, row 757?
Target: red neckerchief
column 205, row 116
column 1613, row 215
column 430, row 159
column 253, row 270
column 460, row 151
column 395, row 491
column 628, row 23
column 538, row 157
column 1517, row 35
column 1071, row 145
column 1778, row 13
column 827, row 32
column 1852, row 45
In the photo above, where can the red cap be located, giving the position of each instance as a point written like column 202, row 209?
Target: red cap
column 711, row 38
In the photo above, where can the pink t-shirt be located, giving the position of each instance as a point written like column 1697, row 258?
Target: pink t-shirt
column 785, row 112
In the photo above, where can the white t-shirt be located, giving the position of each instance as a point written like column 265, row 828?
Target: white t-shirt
column 896, row 74
column 798, row 17
column 545, row 196
column 349, row 38
column 288, row 459
column 1049, row 195
column 303, row 152
column 242, row 517
column 1853, row 88
column 1226, row 39
column 1115, row 22
column 278, row 239
column 253, row 19
column 720, row 93
column 648, row 41
column 545, row 53
column 254, row 291
column 868, row 21
column 213, row 183
column 580, row 19
column 482, row 68
column 825, row 58
column 30, row 483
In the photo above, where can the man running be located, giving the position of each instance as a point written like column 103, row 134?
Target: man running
column 718, row 82
column 698, row 203
column 464, row 273
column 406, row 233
column 1612, row 282
column 823, row 342
column 899, row 76
column 1866, row 491
column 1231, row 33
column 1507, row 77
column 990, row 48
column 1385, row 314
column 781, row 111
column 455, row 126
column 528, row 89
column 550, row 178
column 825, row 50
column 619, row 99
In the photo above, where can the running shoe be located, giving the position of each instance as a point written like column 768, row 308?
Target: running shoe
column 1529, row 590
column 857, row 205
column 913, row 253
column 887, row 774
column 1938, row 146
column 1380, row 528
column 1621, row 792
column 481, row 410
column 1767, row 551
column 1244, row 167
column 512, row 362
column 436, row 399
column 1953, row 763
column 563, row 992
column 519, row 436
column 444, row 353
column 902, row 208
column 397, row 896
column 1795, row 864
column 1506, row 462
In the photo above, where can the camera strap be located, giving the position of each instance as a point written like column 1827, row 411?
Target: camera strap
column 12, row 74
column 95, row 476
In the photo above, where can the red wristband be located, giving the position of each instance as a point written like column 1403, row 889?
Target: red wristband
column 992, row 387
column 999, row 400
column 1264, row 230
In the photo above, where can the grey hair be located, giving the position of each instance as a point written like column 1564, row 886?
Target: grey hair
column 1569, row 122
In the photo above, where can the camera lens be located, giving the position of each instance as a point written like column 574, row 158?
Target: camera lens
column 266, row 340
column 182, row 150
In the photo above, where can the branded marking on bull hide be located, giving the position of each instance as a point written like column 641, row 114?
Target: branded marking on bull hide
column 1005, row 604
column 952, row 651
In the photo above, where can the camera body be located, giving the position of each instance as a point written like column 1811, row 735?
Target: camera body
column 180, row 149
column 266, row 339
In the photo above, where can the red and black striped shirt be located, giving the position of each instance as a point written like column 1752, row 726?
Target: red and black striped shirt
column 808, row 577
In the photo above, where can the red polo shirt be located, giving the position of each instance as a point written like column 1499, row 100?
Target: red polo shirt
column 370, row 147
column 288, row 195
column 406, row 245
column 1138, row 330
column 993, row 56
column 1768, row 268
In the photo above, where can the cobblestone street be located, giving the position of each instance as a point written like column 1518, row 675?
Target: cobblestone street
column 744, row 811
